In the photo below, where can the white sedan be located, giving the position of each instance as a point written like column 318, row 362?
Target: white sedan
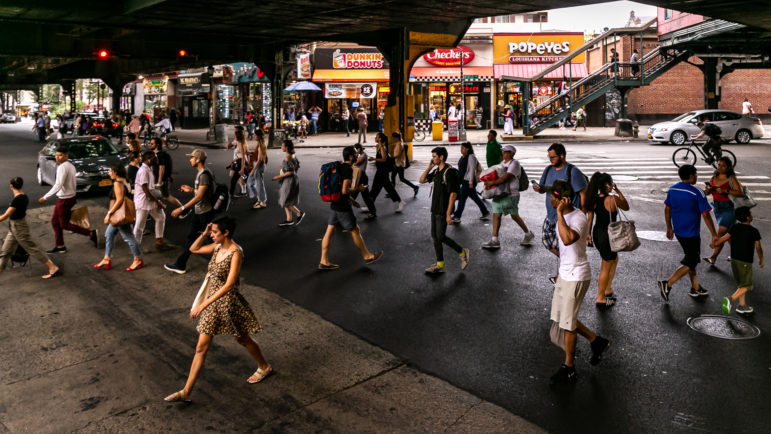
column 733, row 126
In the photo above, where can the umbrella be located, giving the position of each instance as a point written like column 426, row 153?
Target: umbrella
column 291, row 87
column 305, row 85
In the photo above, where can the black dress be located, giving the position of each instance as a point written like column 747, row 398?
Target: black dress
column 602, row 218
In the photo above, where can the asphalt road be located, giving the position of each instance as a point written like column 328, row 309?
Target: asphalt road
column 486, row 329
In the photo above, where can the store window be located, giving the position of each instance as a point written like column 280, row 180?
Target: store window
column 667, row 14
column 225, row 102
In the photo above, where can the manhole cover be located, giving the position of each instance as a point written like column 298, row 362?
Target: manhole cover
column 724, row 327
column 653, row 235
column 625, row 178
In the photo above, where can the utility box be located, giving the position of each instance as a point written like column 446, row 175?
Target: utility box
column 437, row 130
column 623, row 128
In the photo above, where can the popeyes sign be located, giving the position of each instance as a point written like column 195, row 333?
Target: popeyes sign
column 536, row 47
column 450, row 57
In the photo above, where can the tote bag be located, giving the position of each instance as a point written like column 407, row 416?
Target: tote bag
column 740, row 201
column 622, row 234
column 125, row 215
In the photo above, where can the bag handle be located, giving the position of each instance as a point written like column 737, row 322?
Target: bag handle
column 619, row 210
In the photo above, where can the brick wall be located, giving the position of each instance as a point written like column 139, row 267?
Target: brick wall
column 754, row 84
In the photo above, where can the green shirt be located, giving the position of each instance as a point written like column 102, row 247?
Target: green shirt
column 494, row 153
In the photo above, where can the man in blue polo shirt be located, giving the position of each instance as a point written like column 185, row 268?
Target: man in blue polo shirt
column 684, row 204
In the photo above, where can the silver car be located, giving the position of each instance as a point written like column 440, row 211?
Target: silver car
column 92, row 157
column 733, row 126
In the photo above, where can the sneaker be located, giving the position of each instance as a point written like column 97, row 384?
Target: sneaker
column 456, row 219
column 553, row 280
column 664, row 288
column 300, row 218
column 239, row 195
column 744, row 309
column 492, row 245
column 400, row 207
column 527, row 240
column 727, row 305
column 599, row 345
column 286, row 223
column 434, row 269
column 416, row 191
column 485, row 217
column 57, row 250
column 94, row 237
column 701, row 291
column 565, row 375
column 174, row 268
column 364, row 210
column 464, row 259
column 693, row 292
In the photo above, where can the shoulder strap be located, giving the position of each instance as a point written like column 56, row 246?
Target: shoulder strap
column 569, row 167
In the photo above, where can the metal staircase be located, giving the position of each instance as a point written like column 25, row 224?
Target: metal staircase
column 593, row 86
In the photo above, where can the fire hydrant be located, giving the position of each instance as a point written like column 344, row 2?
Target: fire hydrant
column 635, row 129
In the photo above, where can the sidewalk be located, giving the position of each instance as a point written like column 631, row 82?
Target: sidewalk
column 197, row 137
column 93, row 351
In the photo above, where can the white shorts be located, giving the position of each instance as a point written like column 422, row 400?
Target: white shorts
column 566, row 302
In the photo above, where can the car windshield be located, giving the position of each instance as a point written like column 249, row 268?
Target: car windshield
column 91, row 148
column 683, row 117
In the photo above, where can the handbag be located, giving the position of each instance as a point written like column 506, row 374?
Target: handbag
column 201, row 296
column 125, row 214
column 742, row 201
column 622, row 234
column 79, row 217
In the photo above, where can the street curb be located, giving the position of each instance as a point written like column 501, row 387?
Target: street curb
column 423, row 144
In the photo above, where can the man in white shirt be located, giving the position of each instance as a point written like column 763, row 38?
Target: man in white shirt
column 146, row 203
column 64, row 189
column 574, row 278
column 747, row 108
column 165, row 126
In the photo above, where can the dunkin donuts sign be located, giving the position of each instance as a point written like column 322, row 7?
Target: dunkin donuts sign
column 342, row 60
column 450, row 57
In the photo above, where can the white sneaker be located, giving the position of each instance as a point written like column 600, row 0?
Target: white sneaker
column 400, row 206
column 528, row 239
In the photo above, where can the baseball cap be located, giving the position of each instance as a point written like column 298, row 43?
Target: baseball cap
column 509, row 148
column 198, row 153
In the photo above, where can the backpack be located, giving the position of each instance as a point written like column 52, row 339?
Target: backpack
column 20, row 256
column 330, row 182
column 220, row 195
column 712, row 130
column 457, row 176
column 569, row 168
column 524, row 181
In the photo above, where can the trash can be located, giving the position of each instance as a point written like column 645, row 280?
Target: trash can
column 452, row 130
column 437, row 130
column 221, row 133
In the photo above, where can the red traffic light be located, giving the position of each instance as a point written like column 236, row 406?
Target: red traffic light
column 103, row 54
column 182, row 53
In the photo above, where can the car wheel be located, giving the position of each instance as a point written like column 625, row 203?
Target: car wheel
column 678, row 137
column 743, row 136
column 40, row 176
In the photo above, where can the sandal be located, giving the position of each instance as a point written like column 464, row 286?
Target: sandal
column 257, row 205
column 177, row 397
column 709, row 260
column 259, row 375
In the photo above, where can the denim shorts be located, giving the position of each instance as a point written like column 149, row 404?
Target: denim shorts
column 724, row 213
column 342, row 219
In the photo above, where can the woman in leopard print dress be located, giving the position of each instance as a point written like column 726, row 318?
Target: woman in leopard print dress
column 223, row 310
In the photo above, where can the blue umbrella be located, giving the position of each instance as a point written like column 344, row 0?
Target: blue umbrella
column 305, row 85
column 291, row 87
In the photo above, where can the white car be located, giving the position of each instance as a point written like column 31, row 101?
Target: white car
column 733, row 125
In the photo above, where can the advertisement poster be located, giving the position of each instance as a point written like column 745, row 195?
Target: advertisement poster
column 304, row 66
column 350, row 90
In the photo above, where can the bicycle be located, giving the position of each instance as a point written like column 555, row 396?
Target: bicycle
column 686, row 155
column 419, row 135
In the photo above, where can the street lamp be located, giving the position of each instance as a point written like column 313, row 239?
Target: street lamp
column 213, row 104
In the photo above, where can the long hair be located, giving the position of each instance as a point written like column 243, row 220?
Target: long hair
column 596, row 186
column 729, row 172
column 468, row 146
column 240, row 136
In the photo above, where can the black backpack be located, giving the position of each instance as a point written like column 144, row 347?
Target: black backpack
column 220, row 195
column 20, row 256
column 712, row 130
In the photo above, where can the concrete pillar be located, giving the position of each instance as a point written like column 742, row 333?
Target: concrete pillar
column 525, row 109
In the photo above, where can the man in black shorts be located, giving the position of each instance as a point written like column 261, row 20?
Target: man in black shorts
column 342, row 215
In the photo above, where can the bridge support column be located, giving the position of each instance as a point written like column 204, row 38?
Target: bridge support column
column 525, row 109
column 711, row 83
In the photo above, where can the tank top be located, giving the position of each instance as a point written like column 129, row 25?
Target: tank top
column 720, row 197
column 603, row 217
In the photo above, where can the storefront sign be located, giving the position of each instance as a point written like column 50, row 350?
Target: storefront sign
column 450, row 57
column 350, row 90
column 467, row 88
column 349, row 58
column 154, row 87
column 304, row 66
column 536, row 48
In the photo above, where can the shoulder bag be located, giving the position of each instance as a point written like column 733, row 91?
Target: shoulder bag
column 125, row 214
column 622, row 234
column 742, row 201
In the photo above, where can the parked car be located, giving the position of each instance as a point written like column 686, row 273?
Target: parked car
column 733, row 125
column 8, row 118
column 103, row 127
column 92, row 157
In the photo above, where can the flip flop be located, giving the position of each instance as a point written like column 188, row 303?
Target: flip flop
column 375, row 258
column 58, row 272
column 328, row 267
column 177, row 397
column 259, row 375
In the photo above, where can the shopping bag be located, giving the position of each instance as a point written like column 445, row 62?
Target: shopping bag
column 79, row 217
column 201, row 296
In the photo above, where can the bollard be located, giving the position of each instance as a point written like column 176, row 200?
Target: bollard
column 635, row 129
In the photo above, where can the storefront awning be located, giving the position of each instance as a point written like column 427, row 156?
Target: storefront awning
column 524, row 70
column 350, row 75
column 477, row 73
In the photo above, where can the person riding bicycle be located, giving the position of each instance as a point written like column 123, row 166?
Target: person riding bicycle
column 164, row 126
column 712, row 148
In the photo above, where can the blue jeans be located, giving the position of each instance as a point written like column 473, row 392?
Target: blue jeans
column 315, row 126
column 465, row 193
column 127, row 232
column 255, row 184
